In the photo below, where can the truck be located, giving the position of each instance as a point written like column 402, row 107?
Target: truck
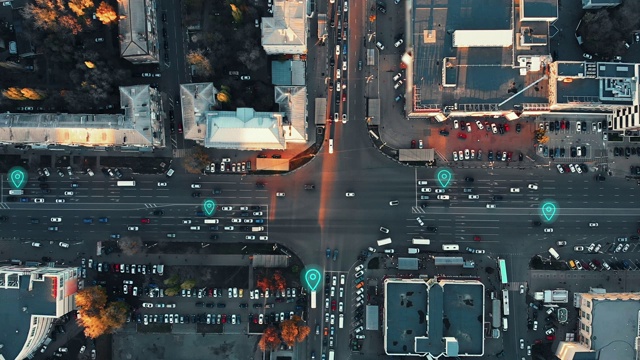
column 332, row 355
column 554, row 253
column 126, row 183
column 257, row 228
column 385, row 241
column 416, row 241
column 322, row 25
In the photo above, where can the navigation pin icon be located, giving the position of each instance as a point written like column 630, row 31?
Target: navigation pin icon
column 548, row 211
column 209, row 206
column 444, row 177
column 17, row 177
column 312, row 277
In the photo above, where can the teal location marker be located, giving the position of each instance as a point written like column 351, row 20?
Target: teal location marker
column 312, row 278
column 209, row 207
column 17, row 177
column 549, row 210
column 444, row 177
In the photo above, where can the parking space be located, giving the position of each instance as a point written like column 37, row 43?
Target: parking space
column 572, row 140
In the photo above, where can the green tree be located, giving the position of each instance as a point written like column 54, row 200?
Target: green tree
column 172, row 281
column 172, row 291
column 188, row 284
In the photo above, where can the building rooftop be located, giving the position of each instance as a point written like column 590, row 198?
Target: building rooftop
column 610, row 314
column 288, row 73
column 292, row 101
column 245, row 129
column 286, row 31
column 137, row 33
column 540, row 9
column 195, row 100
column 443, row 317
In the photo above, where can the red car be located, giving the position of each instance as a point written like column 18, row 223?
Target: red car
column 224, row 318
column 476, row 238
column 562, row 125
column 413, row 144
column 145, row 220
column 462, row 135
column 506, row 127
column 333, row 305
column 180, row 128
column 344, row 97
column 210, row 292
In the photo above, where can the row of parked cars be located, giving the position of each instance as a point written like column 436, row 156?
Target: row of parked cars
column 572, row 168
column 489, row 127
column 626, row 151
column 581, row 126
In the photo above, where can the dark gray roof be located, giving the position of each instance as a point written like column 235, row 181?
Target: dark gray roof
column 540, row 8
column 407, row 263
column 420, row 316
column 18, row 305
column 614, row 314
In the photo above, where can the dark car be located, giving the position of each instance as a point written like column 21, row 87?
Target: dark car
column 328, row 253
column 552, row 126
column 616, row 151
column 309, row 187
column 332, row 61
column 520, row 157
column 158, row 212
column 444, row 133
column 627, row 152
column 195, row 194
column 490, row 155
column 432, row 228
column 518, row 128
column 496, row 197
column 574, row 152
column 468, row 179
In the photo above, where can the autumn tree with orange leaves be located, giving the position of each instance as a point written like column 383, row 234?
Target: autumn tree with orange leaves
column 106, row 13
column 96, row 315
column 294, row 331
column 279, row 282
column 269, row 340
column 263, row 284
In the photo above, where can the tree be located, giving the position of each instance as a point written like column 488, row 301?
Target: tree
column 223, row 95
column 605, row 31
column 79, row 6
column 172, row 291
column 372, row 18
column 269, row 340
column 22, row 94
column 105, row 13
column 130, row 245
column 279, row 282
column 173, row 280
column 91, row 300
column 188, row 284
column 263, row 284
column 294, row 330
column 96, row 315
column 196, row 162
column 202, row 64
column 236, row 12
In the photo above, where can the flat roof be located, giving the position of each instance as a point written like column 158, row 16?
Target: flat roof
column 420, row 315
column 373, row 321
column 539, row 8
column 621, row 315
column 407, row 263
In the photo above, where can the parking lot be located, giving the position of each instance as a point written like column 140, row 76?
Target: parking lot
column 572, row 140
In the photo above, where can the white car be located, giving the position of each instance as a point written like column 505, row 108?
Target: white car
column 593, row 224
column 384, row 229
column 227, row 208
column 455, row 156
column 441, row 191
column 467, row 154
column 560, row 168
column 515, row 190
column 350, row 194
column 398, row 43
column 229, row 228
column 342, row 279
column 443, row 197
column 420, row 221
column 359, row 267
column 425, row 190
column 398, row 84
column 68, row 193
column 196, row 186
column 494, row 128
column 280, row 194
column 521, row 340
column 533, row 186
column 58, row 201
column 397, row 77
column 456, row 124
column 264, row 237
column 186, row 221
column 359, row 273
column 162, row 184
column 38, row 200
column 56, row 219
column 132, row 228
column 474, row 197
column 236, row 220
column 479, row 124
column 548, row 230
column 338, row 50
column 250, row 237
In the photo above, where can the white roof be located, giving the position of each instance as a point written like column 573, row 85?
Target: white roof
column 293, row 103
column 138, row 43
column 244, row 129
column 286, row 31
column 482, row 38
column 195, row 100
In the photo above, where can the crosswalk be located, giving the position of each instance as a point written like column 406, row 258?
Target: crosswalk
column 4, row 206
column 418, row 210
column 150, row 206
column 181, row 153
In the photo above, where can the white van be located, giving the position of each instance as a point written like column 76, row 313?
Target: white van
column 450, row 247
column 505, row 324
column 330, row 146
column 414, row 251
column 16, row 192
column 383, row 242
column 417, row 241
column 341, row 321
column 170, row 172
column 554, row 253
column 211, row 221
column 195, row 227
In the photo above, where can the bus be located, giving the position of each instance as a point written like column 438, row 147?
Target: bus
column 502, row 264
column 127, row 183
column 332, row 355
column 417, row 241
column 505, row 302
column 313, row 300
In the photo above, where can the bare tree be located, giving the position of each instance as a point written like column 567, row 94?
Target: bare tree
column 130, row 245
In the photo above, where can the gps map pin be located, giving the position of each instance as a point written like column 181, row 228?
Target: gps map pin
column 444, row 177
column 548, row 210
column 17, row 177
column 209, row 207
column 313, row 278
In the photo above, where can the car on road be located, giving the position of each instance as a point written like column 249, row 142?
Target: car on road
column 350, row 194
column 548, row 230
column 328, row 253
column 384, row 230
column 133, row 228
column 561, row 243
column 578, row 248
column 227, row 208
column 593, row 224
column 425, row 190
column 419, row 220
column 474, row 197
column 533, row 186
